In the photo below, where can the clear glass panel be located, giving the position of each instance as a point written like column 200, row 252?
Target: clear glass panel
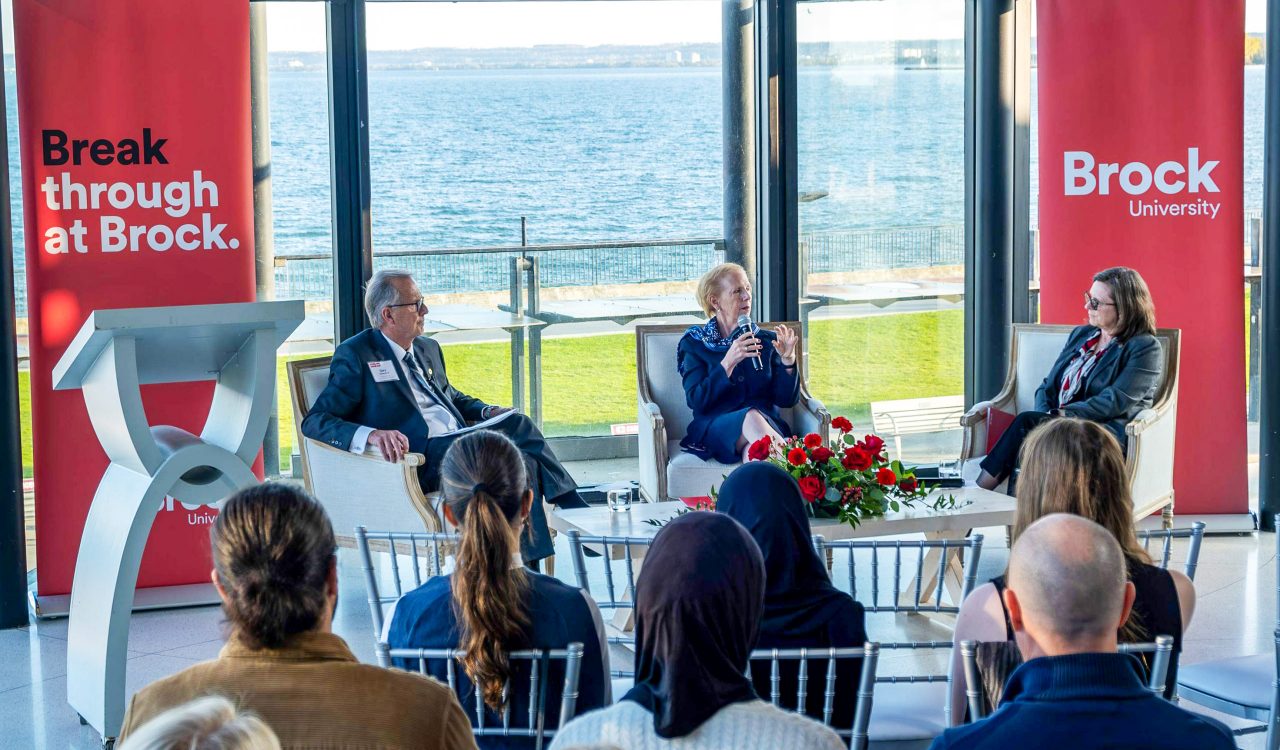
column 301, row 208
column 541, row 168
column 20, row 276
column 1254, row 94
column 881, row 182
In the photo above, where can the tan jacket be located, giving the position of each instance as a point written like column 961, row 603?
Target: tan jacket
column 315, row 694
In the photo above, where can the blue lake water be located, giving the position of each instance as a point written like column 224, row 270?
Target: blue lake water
column 457, row 157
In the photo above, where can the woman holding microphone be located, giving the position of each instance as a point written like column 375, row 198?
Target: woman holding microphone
column 735, row 374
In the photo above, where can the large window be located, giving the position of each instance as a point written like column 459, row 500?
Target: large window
column 881, row 183
column 298, row 175
column 551, row 174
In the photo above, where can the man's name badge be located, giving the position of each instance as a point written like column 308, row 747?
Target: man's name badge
column 383, row 371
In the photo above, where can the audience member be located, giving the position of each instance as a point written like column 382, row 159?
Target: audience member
column 1107, row 372
column 801, row 607
column 1073, row 466
column 208, row 723
column 1066, row 597
column 492, row 604
column 699, row 601
column 276, row 570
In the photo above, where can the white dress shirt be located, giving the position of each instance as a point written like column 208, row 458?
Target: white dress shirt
column 440, row 421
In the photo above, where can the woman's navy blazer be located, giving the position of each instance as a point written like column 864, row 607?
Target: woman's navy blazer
column 720, row 402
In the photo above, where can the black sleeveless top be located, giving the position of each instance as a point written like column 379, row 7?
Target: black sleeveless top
column 1156, row 611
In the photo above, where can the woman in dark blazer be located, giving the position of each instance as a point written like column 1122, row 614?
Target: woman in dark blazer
column 733, row 382
column 1107, row 372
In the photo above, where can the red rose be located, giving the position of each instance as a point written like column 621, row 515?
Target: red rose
column 812, row 440
column 873, row 445
column 885, row 476
column 759, row 450
column 842, row 424
column 856, row 459
column 797, row 456
column 811, row 488
column 908, row 485
column 822, row 454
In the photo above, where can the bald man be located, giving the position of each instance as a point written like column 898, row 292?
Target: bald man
column 1067, row 597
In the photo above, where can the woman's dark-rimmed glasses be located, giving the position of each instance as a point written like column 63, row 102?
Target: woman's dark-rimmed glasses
column 1093, row 303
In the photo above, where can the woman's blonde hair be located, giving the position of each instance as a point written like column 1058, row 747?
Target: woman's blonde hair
column 1135, row 310
column 208, row 723
column 709, row 284
column 1076, row 466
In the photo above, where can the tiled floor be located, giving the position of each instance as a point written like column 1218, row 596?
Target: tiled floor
column 1235, row 614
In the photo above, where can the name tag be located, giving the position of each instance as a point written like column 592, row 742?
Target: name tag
column 383, row 371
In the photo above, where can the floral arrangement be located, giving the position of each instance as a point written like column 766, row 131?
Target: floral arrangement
column 847, row 478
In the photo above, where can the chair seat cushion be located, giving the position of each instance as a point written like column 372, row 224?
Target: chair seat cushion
column 690, row 476
column 1245, row 680
column 908, row 711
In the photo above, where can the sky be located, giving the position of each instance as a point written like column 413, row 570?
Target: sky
column 403, row 25
column 299, row 26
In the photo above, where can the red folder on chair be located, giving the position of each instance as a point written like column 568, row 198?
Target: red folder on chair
column 997, row 422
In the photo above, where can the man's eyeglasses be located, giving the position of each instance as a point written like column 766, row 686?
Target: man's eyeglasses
column 1093, row 303
column 421, row 305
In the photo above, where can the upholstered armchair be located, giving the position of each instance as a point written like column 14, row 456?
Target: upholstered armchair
column 357, row 489
column 666, row 471
column 1149, row 454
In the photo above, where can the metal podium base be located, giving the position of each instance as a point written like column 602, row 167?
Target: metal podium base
column 159, row 597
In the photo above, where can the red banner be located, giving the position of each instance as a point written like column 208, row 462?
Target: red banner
column 137, row 192
column 1141, row 163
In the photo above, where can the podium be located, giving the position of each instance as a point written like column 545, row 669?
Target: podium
column 113, row 355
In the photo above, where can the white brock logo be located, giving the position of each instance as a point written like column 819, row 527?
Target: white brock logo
column 1136, row 178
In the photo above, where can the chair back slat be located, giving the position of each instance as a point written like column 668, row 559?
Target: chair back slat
column 972, row 682
column 539, row 661
column 626, row 547
column 396, row 541
column 1195, row 534
column 869, row 656
column 1161, row 647
column 914, row 600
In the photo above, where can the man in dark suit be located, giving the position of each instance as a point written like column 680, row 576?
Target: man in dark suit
column 388, row 391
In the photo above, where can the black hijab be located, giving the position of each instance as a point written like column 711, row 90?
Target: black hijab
column 698, row 603
column 798, row 591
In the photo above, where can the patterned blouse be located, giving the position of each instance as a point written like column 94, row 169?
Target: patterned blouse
column 1079, row 368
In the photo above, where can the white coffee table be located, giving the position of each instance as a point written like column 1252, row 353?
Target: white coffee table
column 975, row 508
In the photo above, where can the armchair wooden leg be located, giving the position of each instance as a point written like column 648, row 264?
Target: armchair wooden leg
column 550, row 565
column 1166, row 516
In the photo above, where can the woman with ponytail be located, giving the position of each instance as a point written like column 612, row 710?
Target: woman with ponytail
column 275, row 567
column 492, row 603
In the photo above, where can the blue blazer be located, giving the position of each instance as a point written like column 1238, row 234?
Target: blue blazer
column 1123, row 383
column 558, row 615
column 711, row 393
column 353, row 398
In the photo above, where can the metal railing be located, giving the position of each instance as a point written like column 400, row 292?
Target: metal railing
column 486, row 269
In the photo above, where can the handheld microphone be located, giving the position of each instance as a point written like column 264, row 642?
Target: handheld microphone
column 744, row 328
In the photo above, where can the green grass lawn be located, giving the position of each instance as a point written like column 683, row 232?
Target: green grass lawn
column 589, row 383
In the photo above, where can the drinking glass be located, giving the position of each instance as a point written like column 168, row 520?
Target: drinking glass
column 619, row 500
